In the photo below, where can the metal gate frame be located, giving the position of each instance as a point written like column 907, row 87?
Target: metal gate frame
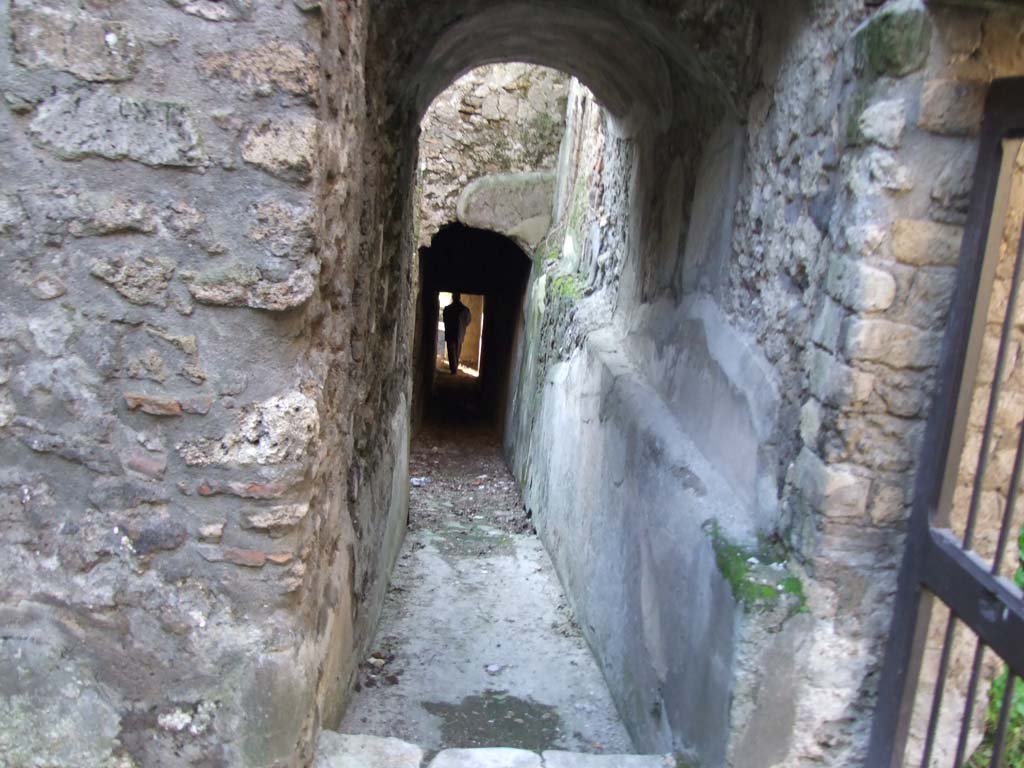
column 936, row 564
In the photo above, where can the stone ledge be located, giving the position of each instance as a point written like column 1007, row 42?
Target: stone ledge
column 337, row 750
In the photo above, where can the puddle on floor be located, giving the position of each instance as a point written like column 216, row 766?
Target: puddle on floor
column 498, row 719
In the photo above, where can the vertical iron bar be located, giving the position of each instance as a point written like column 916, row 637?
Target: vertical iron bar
column 1011, row 502
column 1004, row 718
column 993, row 398
column 972, row 695
column 940, row 690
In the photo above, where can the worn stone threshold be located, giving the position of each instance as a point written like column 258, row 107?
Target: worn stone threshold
column 337, row 750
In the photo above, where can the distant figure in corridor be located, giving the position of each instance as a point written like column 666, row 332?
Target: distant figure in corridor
column 456, row 318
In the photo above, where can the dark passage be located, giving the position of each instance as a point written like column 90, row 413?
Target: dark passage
column 474, row 262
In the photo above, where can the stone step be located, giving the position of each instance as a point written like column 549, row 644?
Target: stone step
column 338, row 750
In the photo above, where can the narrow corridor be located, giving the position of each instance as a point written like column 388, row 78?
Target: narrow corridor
column 476, row 645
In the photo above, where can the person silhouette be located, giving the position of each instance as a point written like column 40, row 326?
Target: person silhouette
column 456, row 318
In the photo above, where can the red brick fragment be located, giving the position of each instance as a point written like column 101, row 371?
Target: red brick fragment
column 248, row 558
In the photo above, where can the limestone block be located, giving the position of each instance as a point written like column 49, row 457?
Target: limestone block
column 273, row 431
column 276, row 64
column 832, row 490
column 962, row 33
column 1001, row 47
column 865, row 239
column 242, row 285
column 895, row 41
column 211, row 533
column 1000, row 304
column 285, row 230
column 896, row 344
column 337, row 750
column 952, row 107
column 244, row 489
column 491, row 757
column 885, row 170
column 903, row 392
column 110, row 214
column 277, row 520
column 837, row 384
column 828, row 325
column 880, row 441
column 930, row 294
column 810, row 421
column 284, row 148
column 559, row 759
column 951, row 191
column 87, row 47
column 184, row 342
column 1007, row 416
column 102, row 124
column 921, row 242
column 216, row 10
column 883, row 122
column 989, row 354
column 514, row 204
column 860, row 286
column 140, row 279
column 888, row 505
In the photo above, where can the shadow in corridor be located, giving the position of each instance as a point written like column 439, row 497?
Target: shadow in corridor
column 457, row 405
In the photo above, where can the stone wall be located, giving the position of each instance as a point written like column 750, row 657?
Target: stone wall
column 792, row 336
column 199, row 510
column 498, row 119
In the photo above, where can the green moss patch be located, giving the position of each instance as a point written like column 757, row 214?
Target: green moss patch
column 759, row 577
column 567, row 287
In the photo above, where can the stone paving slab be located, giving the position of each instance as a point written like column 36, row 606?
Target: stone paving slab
column 486, row 757
column 559, row 759
column 337, row 750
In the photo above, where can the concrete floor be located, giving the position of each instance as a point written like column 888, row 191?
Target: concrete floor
column 476, row 647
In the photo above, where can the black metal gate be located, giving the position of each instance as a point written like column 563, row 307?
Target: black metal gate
column 940, row 564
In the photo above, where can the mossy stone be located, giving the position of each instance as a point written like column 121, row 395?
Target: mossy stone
column 895, row 42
